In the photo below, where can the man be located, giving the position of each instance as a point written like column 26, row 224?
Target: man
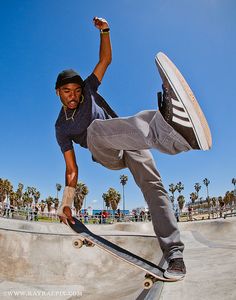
column 117, row 143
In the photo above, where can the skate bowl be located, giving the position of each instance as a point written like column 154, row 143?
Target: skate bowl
column 39, row 258
column 210, row 258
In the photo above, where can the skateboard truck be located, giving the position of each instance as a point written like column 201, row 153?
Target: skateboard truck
column 149, row 281
column 78, row 243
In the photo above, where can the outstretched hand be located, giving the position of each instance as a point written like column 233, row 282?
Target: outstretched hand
column 100, row 23
column 67, row 212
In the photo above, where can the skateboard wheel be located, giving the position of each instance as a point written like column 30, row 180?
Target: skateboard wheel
column 78, row 244
column 147, row 283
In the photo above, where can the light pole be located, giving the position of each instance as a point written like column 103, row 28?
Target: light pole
column 207, row 182
column 58, row 188
column 197, row 187
column 234, row 183
column 123, row 181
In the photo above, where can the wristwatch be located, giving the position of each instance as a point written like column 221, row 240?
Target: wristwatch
column 106, row 30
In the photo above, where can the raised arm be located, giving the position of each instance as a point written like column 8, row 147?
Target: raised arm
column 105, row 53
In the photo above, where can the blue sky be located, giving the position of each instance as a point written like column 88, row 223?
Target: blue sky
column 41, row 38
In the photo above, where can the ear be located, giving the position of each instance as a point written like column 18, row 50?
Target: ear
column 57, row 92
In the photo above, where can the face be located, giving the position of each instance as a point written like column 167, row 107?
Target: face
column 70, row 94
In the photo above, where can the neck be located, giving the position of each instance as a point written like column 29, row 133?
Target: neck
column 72, row 115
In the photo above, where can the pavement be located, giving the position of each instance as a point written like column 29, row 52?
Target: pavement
column 38, row 261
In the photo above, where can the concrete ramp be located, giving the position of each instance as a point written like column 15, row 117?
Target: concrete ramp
column 210, row 257
column 40, row 257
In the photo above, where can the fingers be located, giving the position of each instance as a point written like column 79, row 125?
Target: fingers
column 63, row 220
column 71, row 220
column 100, row 23
column 67, row 215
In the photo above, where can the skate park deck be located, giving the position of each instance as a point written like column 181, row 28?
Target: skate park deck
column 39, row 257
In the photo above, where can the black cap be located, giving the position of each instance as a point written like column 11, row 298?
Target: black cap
column 68, row 76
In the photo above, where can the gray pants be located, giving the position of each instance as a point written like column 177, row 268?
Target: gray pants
column 124, row 142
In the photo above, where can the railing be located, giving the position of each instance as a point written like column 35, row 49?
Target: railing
column 210, row 213
column 29, row 215
column 231, row 214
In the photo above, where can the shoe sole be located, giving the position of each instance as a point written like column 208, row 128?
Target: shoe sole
column 187, row 98
column 171, row 276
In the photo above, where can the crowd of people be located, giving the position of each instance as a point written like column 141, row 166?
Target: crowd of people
column 103, row 217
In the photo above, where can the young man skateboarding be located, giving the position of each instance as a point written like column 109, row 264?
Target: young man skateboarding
column 117, row 143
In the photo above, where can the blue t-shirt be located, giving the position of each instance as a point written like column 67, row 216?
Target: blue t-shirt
column 93, row 107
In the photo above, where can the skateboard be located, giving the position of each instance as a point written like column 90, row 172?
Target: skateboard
column 86, row 237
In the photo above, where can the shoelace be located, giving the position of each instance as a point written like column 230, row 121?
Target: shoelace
column 164, row 104
column 176, row 264
column 160, row 100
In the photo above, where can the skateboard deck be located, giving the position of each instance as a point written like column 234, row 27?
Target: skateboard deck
column 153, row 272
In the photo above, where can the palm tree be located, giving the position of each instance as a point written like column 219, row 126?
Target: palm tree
column 226, row 198
column 105, row 197
column 206, row 183
column 49, row 201
column 81, row 192
column 123, row 181
column 111, row 198
column 181, row 201
column 1, row 190
column 197, row 187
column 193, row 197
column 179, row 187
column 35, row 194
column 2, row 194
column 58, row 188
column 13, row 198
column 172, row 189
column 221, row 205
column 27, row 198
column 19, row 193
column 42, row 206
column 229, row 198
column 6, row 189
column 234, row 183
column 221, row 202
column 56, row 203
column 214, row 203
